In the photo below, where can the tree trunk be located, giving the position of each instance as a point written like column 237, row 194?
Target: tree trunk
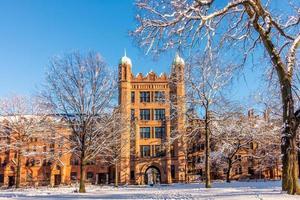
column 116, row 175
column 229, row 170
column 207, row 152
column 18, row 173
column 82, row 175
column 288, row 144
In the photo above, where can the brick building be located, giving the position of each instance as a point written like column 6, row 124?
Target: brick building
column 247, row 164
column 155, row 148
column 153, row 104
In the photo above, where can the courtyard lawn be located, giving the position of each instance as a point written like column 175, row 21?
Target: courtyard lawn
column 231, row 191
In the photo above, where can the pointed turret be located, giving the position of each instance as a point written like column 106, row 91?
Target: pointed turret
column 178, row 60
column 177, row 71
column 125, row 60
column 125, row 68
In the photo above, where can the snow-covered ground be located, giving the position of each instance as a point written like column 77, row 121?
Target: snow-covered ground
column 230, row 191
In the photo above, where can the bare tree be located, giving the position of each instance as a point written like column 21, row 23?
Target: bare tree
column 21, row 120
column 80, row 88
column 268, row 142
column 248, row 27
column 205, row 80
column 233, row 133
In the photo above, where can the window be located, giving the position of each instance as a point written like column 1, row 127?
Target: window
column 132, row 97
column 145, row 132
column 52, row 147
column 144, row 96
column 238, row 157
column 200, row 172
column 159, row 96
column 158, row 151
column 172, row 152
column 44, row 162
column 160, row 132
column 91, row 162
column 73, row 176
column 251, row 145
column 145, row 114
column 74, row 161
column 202, row 146
column 200, row 159
column 250, row 171
column 132, row 115
column 30, row 162
column 89, row 175
column 159, row 114
column 145, row 151
column 239, row 170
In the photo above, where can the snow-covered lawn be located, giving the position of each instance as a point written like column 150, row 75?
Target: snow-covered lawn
column 230, row 191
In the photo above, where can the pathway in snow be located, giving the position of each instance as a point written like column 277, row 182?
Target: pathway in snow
column 228, row 191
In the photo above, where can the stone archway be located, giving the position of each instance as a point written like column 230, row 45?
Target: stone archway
column 152, row 176
column 145, row 166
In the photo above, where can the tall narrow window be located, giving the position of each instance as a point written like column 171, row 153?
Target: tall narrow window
column 172, row 151
column 159, row 96
column 159, row 114
column 145, row 151
column 145, row 132
column 159, row 151
column 132, row 97
column 144, row 96
column 132, row 115
column 160, row 132
column 145, row 114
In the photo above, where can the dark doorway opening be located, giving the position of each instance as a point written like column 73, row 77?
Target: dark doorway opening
column 101, row 178
column 1, row 179
column 152, row 176
column 57, row 179
column 251, row 172
column 11, row 181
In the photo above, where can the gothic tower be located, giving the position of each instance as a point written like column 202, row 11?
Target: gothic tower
column 124, row 101
column 177, row 90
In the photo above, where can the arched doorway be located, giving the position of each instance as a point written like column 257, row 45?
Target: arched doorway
column 152, row 176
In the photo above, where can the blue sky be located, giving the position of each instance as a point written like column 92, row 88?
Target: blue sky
column 32, row 31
